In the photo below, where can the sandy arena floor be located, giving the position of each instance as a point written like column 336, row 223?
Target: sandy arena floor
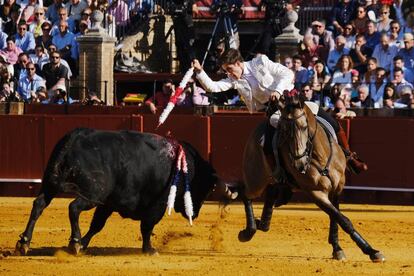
column 296, row 243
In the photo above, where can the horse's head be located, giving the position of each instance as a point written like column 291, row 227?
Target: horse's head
column 294, row 129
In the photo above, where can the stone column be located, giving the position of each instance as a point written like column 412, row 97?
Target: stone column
column 96, row 61
column 287, row 42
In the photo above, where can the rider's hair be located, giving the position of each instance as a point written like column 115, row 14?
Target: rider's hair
column 230, row 56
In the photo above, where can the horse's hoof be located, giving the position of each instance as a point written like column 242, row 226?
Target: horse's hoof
column 377, row 257
column 260, row 225
column 339, row 255
column 150, row 251
column 21, row 249
column 75, row 247
column 246, row 235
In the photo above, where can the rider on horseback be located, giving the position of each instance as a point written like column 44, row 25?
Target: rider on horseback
column 259, row 80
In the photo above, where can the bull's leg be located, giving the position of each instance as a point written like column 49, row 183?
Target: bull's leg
column 337, row 252
column 263, row 223
column 100, row 216
column 248, row 233
column 39, row 204
column 321, row 199
column 75, row 208
column 146, row 231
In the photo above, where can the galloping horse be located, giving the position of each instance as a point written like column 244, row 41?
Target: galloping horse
column 313, row 163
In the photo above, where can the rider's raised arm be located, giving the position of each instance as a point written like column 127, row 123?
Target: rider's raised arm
column 213, row 86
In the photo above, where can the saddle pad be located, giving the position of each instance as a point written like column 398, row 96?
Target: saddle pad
column 327, row 127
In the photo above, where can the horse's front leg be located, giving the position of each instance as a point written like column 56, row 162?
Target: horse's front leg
column 248, row 233
column 263, row 223
column 337, row 252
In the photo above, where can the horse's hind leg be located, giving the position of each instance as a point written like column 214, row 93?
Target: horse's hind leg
column 321, row 199
column 75, row 208
column 100, row 216
column 248, row 233
column 39, row 204
column 337, row 252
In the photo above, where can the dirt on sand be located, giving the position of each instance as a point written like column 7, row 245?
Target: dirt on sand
column 297, row 243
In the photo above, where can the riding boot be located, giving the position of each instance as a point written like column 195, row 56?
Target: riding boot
column 355, row 164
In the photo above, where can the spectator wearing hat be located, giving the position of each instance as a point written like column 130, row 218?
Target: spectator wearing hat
column 45, row 39
column 24, row 39
column 54, row 72
column 384, row 52
column 29, row 83
column 39, row 18
column 372, row 36
column 338, row 51
column 11, row 51
column 60, row 95
column 321, row 36
column 161, row 98
column 407, row 53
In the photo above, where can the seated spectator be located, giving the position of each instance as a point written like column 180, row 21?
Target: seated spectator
column 60, row 95
column 343, row 13
column 341, row 112
column 6, row 92
column 309, row 50
column 343, row 72
column 349, row 34
column 308, row 94
column 373, row 6
column 199, row 94
column 29, row 83
column 39, row 18
column 395, row 35
column 355, row 82
column 41, row 96
column 399, row 16
column 288, row 62
column 6, row 71
column 407, row 53
column 301, row 73
column 398, row 62
column 86, row 16
column 52, row 48
column 399, row 81
column 405, row 98
column 329, row 98
column 7, row 9
column 360, row 53
column 161, row 98
column 321, row 36
column 338, row 51
column 28, row 11
column 384, row 52
column 93, row 99
column 372, row 65
column 360, row 22
column 10, row 26
column 64, row 40
column 39, row 58
column 11, row 51
column 75, row 8
column 63, row 16
column 376, row 90
column 372, row 36
column 320, row 76
column 52, row 13
column 45, row 39
column 20, row 66
column 54, row 72
column 118, row 14
column 363, row 100
column 383, row 24
column 390, row 96
column 24, row 39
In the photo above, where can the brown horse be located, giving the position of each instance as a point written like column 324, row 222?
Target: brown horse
column 313, row 163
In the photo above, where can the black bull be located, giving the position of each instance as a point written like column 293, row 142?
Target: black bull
column 125, row 172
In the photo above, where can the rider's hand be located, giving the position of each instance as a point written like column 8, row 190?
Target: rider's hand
column 197, row 66
column 274, row 96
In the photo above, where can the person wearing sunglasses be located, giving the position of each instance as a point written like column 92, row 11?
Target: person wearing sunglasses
column 343, row 13
column 29, row 83
column 383, row 24
column 321, row 36
column 24, row 39
column 54, row 72
column 39, row 18
column 52, row 13
column 75, row 8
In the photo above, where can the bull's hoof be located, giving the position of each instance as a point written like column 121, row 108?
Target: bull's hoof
column 262, row 226
column 21, row 248
column 150, row 251
column 75, row 247
column 246, row 235
column 377, row 257
column 339, row 255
